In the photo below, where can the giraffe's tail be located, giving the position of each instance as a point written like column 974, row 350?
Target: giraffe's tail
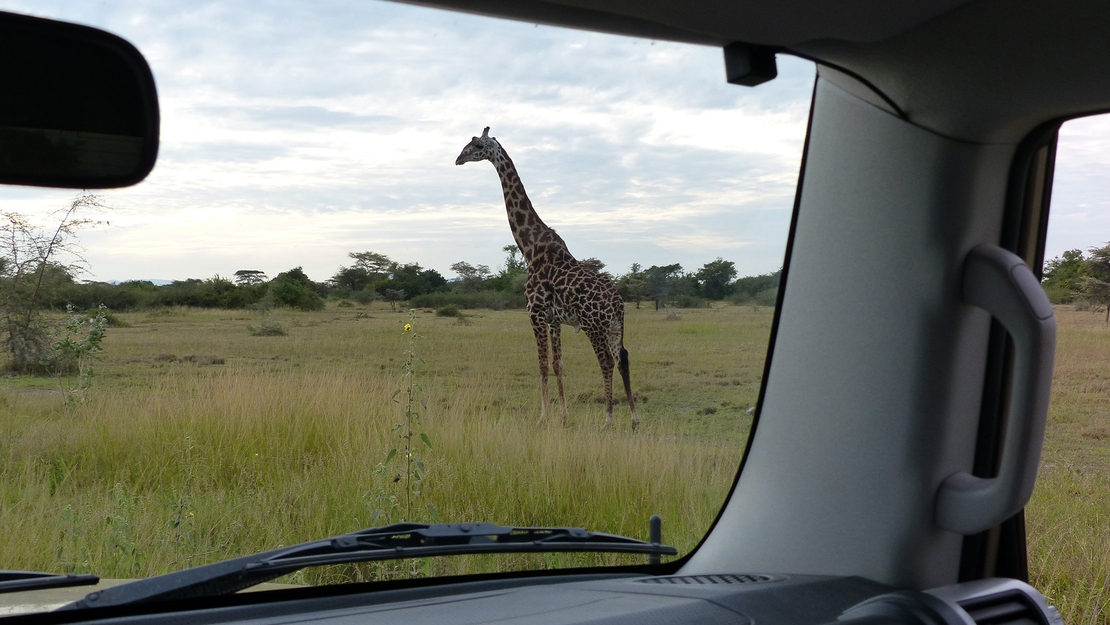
column 622, row 364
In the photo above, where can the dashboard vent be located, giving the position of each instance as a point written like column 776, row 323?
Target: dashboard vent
column 693, row 580
column 1008, row 608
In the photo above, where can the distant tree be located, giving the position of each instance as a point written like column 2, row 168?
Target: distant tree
column 354, row 279
column 632, row 286
column 593, row 263
column 470, row 277
column 1095, row 285
column 249, row 277
column 514, row 260
column 714, row 279
column 296, row 275
column 1063, row 275
column 1097, row 292
column 367, row 273
column 413, row 280
column 375, row 264
column 1097, row 263
column 1066, row 268
column 663, row 282
column 295, row 289
column 509, row 277
column 760, row 289
column 220, row 284
column 393, row 295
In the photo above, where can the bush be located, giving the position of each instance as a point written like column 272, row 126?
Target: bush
column 111, row 319
column 766, row 297
column 364, row 296
column 494, row 300
column 269, row 327
column 1058, row 293
column 447, row 311
column 295, row 295
column 769, row 297
column 687, row 301
column 90, row 295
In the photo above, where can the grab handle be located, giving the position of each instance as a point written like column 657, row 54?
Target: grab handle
column 1000, row 283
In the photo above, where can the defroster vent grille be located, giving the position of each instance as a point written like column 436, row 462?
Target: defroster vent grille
column 1008, row 608
column 693, row 580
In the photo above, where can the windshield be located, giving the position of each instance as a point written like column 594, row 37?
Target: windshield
column 338, row 302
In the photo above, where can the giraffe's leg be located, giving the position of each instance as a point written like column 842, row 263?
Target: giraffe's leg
column 605, row 359
column 540, row 329
column 557, row 366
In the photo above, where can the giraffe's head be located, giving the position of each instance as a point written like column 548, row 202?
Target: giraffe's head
column 479, row 149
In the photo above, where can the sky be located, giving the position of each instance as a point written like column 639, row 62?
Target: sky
column 295, row 133
column 1079, row 216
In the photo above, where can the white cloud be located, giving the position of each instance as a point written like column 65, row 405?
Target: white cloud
column 1079, row 217
column 295, row 132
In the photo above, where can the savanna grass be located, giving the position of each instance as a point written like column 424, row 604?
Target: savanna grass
column 176, row 461
column 1068, row 519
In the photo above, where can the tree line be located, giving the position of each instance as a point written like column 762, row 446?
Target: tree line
column 1078, row 278
column 374, row 276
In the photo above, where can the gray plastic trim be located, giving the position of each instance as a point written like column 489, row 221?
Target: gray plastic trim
column 1000, row 283
column 962, row 596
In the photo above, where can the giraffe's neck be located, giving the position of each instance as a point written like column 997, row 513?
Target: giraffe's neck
column 528, row 229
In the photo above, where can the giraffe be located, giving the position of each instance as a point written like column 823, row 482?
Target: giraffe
column 559, row 289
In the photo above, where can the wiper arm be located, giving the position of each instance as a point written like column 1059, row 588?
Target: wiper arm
column 392, row 542
column 17, row 581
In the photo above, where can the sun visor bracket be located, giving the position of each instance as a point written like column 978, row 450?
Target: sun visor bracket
column 749, row 65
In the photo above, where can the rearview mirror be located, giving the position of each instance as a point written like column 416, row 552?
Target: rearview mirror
column 78, row 107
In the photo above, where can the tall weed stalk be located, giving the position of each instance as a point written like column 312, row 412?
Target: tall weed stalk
column 405, row 463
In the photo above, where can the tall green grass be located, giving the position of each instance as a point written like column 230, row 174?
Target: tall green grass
column 1068, row 519
column 174, row 463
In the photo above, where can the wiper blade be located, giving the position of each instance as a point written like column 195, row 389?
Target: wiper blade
column 393, row 542
column 17, row 581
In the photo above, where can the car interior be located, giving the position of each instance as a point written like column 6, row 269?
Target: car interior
column 899, row 426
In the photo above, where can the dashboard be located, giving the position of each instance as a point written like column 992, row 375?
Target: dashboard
column 608, row 599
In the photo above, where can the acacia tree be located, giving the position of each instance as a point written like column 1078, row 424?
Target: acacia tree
column 470, row 277
column 368, row 270
column 375, row 264
column 34, row 261
column 249, row 277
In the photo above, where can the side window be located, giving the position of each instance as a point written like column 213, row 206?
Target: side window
column 1067, row 519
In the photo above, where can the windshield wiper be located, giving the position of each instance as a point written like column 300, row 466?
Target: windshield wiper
column 392, row 542
column 17, row 581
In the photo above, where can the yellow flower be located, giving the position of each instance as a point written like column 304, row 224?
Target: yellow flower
column 408, row 327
